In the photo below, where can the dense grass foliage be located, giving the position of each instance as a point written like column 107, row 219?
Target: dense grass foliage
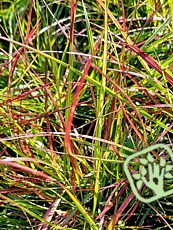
column 83, row 85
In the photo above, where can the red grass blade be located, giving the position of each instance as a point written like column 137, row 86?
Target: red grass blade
column 74, row 104
column 118, row 214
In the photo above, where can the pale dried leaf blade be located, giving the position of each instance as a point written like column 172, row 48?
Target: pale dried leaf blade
column 49, row 214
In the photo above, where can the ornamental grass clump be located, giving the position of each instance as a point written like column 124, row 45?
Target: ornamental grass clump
column 83, row 86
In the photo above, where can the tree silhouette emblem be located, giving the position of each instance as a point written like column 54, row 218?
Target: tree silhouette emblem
column 151, row 173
